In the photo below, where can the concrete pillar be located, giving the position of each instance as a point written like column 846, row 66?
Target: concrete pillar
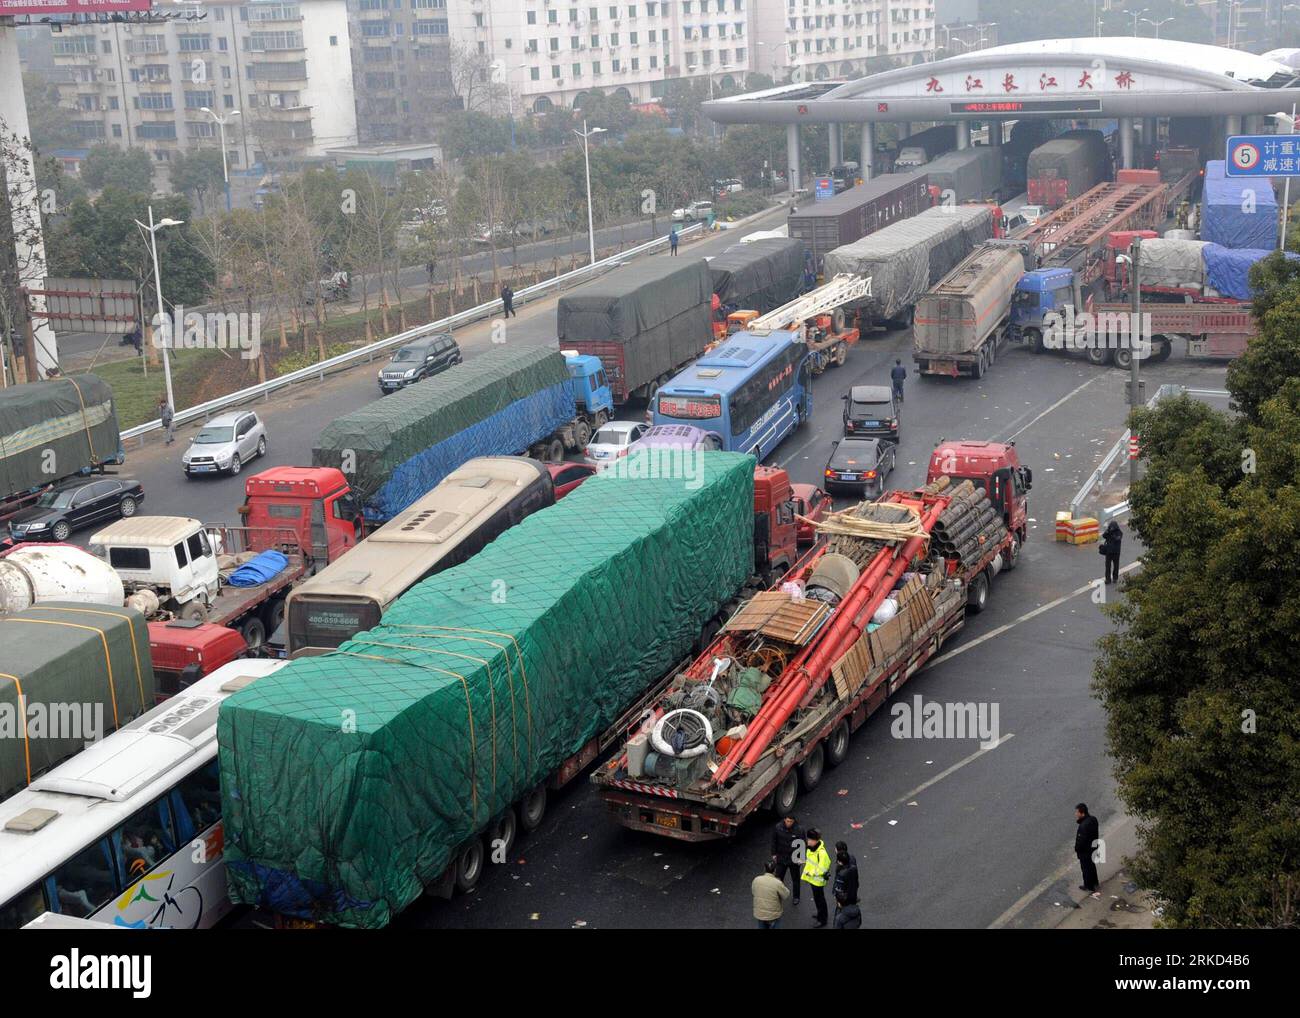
column 834, row 144
column 1149, row 131
column 963, row 134
column 904, row 129
column 26, row 213
column 1232, row 124
column 867, row 151
column 995, row 132
column 1126, row 142
column 792, row 156
column 1254, row 124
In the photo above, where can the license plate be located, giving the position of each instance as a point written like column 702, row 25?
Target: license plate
column 201, row 468
column 872, row 424
column 944, row 367
column 848, row 477
column 668, row 820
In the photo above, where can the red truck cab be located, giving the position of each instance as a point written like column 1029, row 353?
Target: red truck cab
column 315, row 504
column 775, row 528
column 184, row 650
column 995, row 468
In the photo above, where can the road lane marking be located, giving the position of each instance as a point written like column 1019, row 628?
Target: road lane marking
column 909, row 796
column 1064, row 399
column 1023, row 618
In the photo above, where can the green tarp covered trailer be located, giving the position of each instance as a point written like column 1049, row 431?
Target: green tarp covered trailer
column 351, row 781
column 69, row 674
column 644, row 321
column 760, row 275
column 55, row 429
column 396, row 449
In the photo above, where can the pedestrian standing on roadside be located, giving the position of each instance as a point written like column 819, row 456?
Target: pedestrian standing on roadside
column 672, row 241
column 1086, row 836
column 1111, row 540
column 788, row 852
column 508, row 301
column 846, row 875
column 848, row 914
column 816, row 870
column 770, row 893
column 165, row 415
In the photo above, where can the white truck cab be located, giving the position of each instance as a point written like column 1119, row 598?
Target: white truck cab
column 170, row 557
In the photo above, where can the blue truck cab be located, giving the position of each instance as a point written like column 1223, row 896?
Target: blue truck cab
column 591, row 393
column 1039, row 293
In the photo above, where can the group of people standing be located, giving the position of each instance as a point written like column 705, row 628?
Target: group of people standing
column 804, row 856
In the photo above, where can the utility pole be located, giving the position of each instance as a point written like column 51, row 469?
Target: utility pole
column 1134, row 339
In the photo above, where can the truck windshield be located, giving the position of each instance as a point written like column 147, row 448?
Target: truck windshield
column 214, row 436
column 1024, row 299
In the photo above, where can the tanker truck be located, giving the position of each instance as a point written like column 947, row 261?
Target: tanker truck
column 960, row 324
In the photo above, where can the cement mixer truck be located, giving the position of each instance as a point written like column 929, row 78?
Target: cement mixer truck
column 36, row 573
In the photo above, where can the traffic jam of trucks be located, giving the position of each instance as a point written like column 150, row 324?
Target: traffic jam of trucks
column 377, row 569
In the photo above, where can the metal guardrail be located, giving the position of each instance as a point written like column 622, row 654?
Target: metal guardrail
column 1118, row 449
column 367, row 353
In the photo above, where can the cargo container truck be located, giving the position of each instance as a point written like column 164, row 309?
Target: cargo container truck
column 1067, row 167
column 960, row 324
column 1238, row 211
column 759, row 275
column 774, row 700
column 645, row 321
column 488, row 686
column 916, row 150
column 968, row 174
column 54, row 430
column 858, row 212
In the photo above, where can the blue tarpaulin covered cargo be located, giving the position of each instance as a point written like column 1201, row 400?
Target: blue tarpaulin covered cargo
column 259, row 569
column 1227, row 270
column 1238, row 212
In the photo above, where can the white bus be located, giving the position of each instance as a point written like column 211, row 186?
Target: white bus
column 128, row 832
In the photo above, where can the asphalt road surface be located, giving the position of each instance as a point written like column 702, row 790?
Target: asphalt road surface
column 946, row 833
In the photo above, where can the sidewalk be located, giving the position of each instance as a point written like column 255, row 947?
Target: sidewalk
column 1121, row 906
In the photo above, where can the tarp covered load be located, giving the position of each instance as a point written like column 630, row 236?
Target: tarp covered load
column 1081, row 158
column 479, row 682
column 760, row 275
column 396, row 449
column 967, row 174
column 1227, row 270
column 261, row 568
column 1172, row 263
column 907, row 258
column 1237, row 211
column 70, row 419
column 658, row 311
column 82, row 671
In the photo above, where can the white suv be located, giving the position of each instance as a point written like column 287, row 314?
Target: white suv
column 225, row 444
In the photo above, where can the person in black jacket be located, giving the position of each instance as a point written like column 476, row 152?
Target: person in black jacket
column 1086, row 834
column 848, row 914
column 788, row 851
column 846, row 875
column 1111, row 540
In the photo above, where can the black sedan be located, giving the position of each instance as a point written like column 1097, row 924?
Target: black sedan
column 860, row 466
column 76, row 504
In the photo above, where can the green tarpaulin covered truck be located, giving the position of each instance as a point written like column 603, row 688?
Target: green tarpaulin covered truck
column 353, row 781
column 69, row 674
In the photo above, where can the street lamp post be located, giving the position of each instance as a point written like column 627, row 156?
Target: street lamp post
column 584, row 134
column 1137, row 16
column 225, row 171
column 1156, row 24
column 152, row 229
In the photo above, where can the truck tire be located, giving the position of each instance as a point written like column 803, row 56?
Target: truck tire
column 501, row 834
column 841, row 354
column 532, row 808
column 254, row 633
column 979, row 366
column 273, row 614
column 837, row 320
column 978, row 597
column 581, row 435
column 1097, row 355
column 1163, row 348
column 786, row 794
column 1013, row 554
column 837, row 744
column 1123, row 359
column 195, row 611
column 555, row 451
column 1034, row 340
column 469, row 867
column 993, row 350
column 600, row 420
column 812, row 768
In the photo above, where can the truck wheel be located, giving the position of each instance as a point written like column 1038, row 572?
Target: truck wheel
column 1162, row 351
column 980, row 366
column 837, row 744
column 532, row 808
column 812, row 769
column 195, row 611
column 841, row 354
column 837, row 320
column 500, row 837
column 555, row 451
column 979, row 594
column 708, row 633
column 273, row 614
column 581, row 435
column 61, row 531
column 787, row 793
column 1123, row 359
column 1034, row 340
column 469, row 867
column 1097, row 355
column 254, row 635
column 1013, row 554
column 993, row 351
column 602, row 418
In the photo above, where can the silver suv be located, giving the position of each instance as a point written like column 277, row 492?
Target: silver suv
column 225, row 444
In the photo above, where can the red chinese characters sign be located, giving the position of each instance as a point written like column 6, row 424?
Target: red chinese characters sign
column 47, row 7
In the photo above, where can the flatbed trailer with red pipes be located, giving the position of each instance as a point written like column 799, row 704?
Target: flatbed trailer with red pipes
column 823, row 667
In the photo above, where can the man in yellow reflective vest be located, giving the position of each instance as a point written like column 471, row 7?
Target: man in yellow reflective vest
column 816, row 871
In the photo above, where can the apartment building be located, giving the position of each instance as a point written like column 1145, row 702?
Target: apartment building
column 812, row 40
column 278, row 72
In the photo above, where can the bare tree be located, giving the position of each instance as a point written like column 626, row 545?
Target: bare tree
column 473, row 82
column 22, row 252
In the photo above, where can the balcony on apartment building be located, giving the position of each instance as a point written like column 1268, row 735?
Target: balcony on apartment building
column 271, row 14
column 277, row 74
column 275, row 47
column 268, row 129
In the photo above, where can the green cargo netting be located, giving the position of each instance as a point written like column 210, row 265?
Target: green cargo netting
column 82, row 671
column 71, row 418
column 386, row 433
column 350, row 780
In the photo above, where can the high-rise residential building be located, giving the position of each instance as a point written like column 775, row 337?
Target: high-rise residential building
column 278, row 72
column 812, row 40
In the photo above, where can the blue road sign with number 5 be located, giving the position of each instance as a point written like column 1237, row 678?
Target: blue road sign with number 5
column 1263, row 155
